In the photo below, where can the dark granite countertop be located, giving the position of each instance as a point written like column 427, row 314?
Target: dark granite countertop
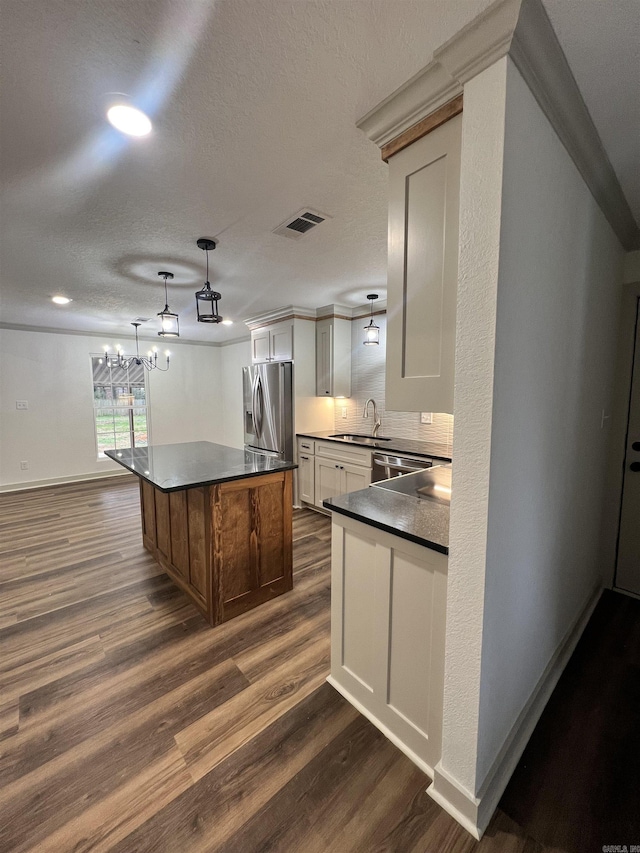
column 425, row 522
column 171, row 467
column 394, row 445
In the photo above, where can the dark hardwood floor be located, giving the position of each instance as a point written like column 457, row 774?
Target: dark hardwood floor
column 578, row 782
column 128, row 724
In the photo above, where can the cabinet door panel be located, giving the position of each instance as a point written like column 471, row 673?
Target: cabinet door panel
column 163, row 528
column 198, row 563
column 355, row 478
column 327, row 480
column 411, row 622
column 306, row 478
column 424, row 181
column 324, row 358
column 179, row 531
column 358, row 624
column 147, row 495
column 269, row 520
column 282, row 342
column 260, row 345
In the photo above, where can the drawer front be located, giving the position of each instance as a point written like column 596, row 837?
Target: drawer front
column 344, row 453
column 306, row 446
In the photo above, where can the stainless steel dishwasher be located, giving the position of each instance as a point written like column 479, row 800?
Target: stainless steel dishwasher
column 387, row 465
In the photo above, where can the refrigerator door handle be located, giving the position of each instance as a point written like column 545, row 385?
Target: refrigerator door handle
column 258, row 451
column 258, row 406
column 253, row 403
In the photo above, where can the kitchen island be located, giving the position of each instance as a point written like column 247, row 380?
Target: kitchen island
column 218, row 520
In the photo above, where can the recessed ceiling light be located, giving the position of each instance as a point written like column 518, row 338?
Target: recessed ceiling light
column 61, row 300
column 227, row 322
column 129, row 120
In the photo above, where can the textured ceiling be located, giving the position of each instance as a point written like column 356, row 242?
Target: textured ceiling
column 254, row 104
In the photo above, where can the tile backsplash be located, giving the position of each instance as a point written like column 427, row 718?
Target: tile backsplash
column 368, row 380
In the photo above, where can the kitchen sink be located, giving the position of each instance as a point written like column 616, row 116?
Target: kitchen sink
column 360, row 439
column 432, row 484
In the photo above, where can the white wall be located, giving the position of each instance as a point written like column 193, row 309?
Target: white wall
column 55, row 435
column 558, row 297
column 480, row 206
column 233, row 358
column 538, row 299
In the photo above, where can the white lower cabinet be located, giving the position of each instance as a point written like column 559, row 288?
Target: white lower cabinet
column 340, row 469
column 306, row 477
column 388, row 603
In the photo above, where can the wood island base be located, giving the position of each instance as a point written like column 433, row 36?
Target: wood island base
column 228, row 545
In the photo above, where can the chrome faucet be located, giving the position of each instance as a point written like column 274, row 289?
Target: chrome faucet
column 376, row 419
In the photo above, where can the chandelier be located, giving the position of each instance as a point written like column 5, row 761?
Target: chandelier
column 207, row 299
column 150, row 361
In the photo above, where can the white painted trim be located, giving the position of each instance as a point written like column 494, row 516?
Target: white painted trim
column 521, row 29
column 278, row 314
column 395, row 740
column 626, row 592
column 537, row 54
column 428, row 90
column 61, row 481
column 19, row 327
column 456, row 814
column 481, row 42
column 476, row 812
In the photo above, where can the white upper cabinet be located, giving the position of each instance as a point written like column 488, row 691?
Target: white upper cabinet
column 272, row 343
column 333, row 357
column 424, row 184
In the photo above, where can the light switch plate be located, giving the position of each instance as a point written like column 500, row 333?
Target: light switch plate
column 22, row 404
column 344, row 412
column 426, row 417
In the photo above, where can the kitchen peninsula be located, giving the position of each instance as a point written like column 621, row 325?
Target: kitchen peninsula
column 218, row 520
column 389, row 565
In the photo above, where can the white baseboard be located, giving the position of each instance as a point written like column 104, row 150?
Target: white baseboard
column 60, row 481
column 475, row 812
column 626, row 592
column 395, row 740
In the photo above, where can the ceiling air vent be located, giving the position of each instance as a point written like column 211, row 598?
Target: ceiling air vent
column 298, row 225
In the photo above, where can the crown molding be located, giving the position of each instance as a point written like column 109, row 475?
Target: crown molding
column 536, row 53
column 288, row 312
column 481, row 42
column 334, row 310
column 428, row 90
column 520, row 29
column 50, row 330
column 475, row 47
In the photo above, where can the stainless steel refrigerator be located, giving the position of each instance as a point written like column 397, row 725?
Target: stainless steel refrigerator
column 268, row 409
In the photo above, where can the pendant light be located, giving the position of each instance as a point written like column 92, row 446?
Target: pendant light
column 170, row 327
column 371, row 332
column 207, row 299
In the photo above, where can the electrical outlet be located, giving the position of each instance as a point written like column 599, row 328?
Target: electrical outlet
column 344, row 412
column 24, row 466
column 22, row 404
column 426, row 417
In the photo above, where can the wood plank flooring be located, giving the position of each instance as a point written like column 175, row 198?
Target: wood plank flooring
column 128, row 724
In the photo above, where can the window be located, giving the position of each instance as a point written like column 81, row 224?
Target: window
column 119, row 405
